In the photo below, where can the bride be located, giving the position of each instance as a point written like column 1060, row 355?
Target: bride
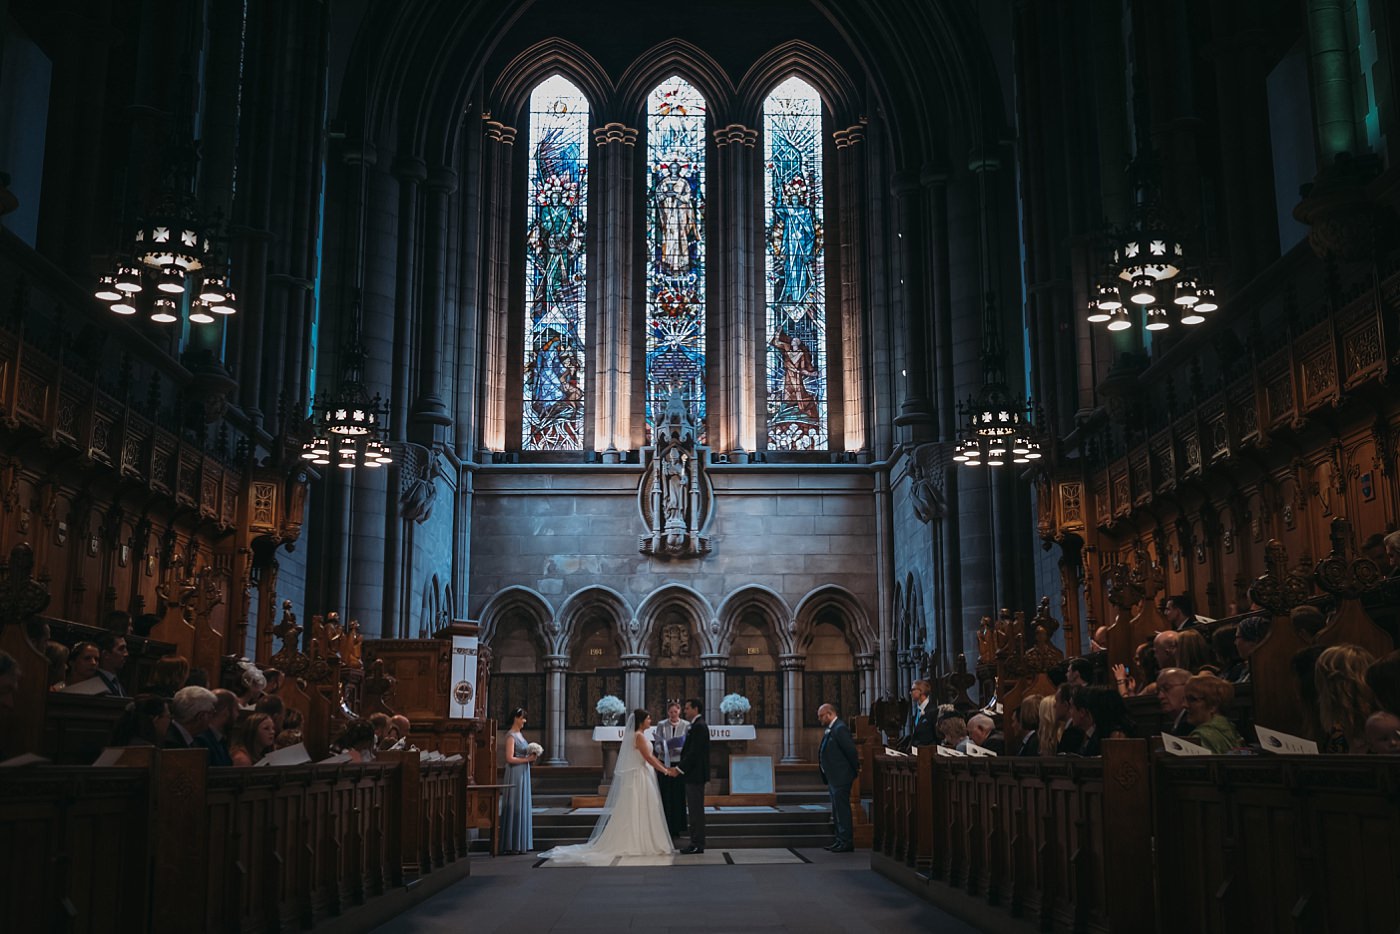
column 632, row 823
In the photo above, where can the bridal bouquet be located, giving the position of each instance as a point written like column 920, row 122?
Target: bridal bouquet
column 534, row 749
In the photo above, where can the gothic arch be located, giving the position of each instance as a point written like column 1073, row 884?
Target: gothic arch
column 592, row 601
column 807, row 62
column 554, row 56
column 858, row 631
column 767, row 602
column 640, row 629
column 674, row 57
column 521, row 599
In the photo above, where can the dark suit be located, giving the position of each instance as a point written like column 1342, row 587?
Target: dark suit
column 839, row 764
column 218, row 752
column 1030, row 744
column 924, row 732
column 695, row 771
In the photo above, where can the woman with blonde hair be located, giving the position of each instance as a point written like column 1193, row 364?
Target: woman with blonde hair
column 1344, row 699
column 1051, row 727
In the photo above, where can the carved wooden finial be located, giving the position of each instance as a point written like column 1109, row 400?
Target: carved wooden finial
column 21, row 594
column 1278, row 590
column 1339, row 575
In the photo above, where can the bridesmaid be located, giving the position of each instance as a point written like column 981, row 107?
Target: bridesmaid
column 517, row 829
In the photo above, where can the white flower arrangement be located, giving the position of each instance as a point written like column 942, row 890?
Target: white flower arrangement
column 534, row 749
column 734, row 704
column 610, row 706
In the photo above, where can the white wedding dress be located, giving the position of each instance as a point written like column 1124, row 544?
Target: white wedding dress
column 632, row 823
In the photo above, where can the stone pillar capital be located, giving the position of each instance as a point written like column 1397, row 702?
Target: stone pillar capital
column 635, row 662
column 904, row 183
column 498, row 132
column 360, row 152
column 615, row 133
column 792, row 662
column 714, row 662
column 865, row 661
column 556, row 663
column 409, row 169
column 442, row 179
column 736, row 133
column 850, row 136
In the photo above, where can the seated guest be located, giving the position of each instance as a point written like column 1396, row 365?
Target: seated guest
column 1147, row 668
column 288, row 738
column 953, row 730
column 1222, row 642
column 168, row 675
column 1308, row 620
column 1383, row 678
column 380, row 722
column 254, row 738
column 82, row 662
column 1383, row 734
column 1100, row 714
column 1375, row 550
column 1249, row 632
column 1206, row 696
column 274, row 679
column 216, row 738
column 144, row 722
column 922, row 730
column 291, row 719
column 1193, row 652
column 1164, row 646
column 111, row 658
column 1080, row 672
column 192, row 709
column 57, row 654
column 274, row 708
column 982, row 730
column 1028, row 716
column 250, row 684
column 357, row 741
column 199, row 678
column 1071, row 736
column 1048, row 732
column 1180, row 612
column 1343, row 699
column 1171, row 697
column 402, row 727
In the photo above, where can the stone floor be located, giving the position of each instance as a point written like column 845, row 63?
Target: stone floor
column 732, row 892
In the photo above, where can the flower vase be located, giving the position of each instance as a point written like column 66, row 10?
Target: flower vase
column 612, row 719
column 734, row 719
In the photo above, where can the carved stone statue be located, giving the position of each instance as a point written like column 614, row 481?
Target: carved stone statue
column 673, row 495
column 675, row 641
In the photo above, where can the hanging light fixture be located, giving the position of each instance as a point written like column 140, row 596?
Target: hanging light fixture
column 173, row 245
column 347, row 424
column 998, row 428
column 1147, row 261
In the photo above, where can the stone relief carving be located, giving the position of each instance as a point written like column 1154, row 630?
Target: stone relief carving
column 675, row 641
column 674, row 497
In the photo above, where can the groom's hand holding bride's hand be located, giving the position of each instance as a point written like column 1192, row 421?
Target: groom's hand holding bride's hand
column 673, row 772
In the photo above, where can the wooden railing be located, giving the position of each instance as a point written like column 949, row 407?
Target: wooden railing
column 226, row 850
column 1266, row 843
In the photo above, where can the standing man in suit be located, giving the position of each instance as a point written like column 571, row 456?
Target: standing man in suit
column 694, row 770
column 839, row 765
column 923, row 732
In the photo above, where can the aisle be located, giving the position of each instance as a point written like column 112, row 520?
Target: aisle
column 812, row 892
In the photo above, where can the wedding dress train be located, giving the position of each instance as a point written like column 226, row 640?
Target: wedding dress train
column 632, row 823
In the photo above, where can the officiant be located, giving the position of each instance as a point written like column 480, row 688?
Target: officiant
column 668, row 737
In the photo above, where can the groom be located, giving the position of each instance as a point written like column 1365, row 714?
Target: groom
column 694, row 769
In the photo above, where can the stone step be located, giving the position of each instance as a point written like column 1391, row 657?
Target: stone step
column 785, row 828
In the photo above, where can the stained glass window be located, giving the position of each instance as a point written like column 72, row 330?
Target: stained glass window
column 796, row 278
column 555, row 267
column 675, row 249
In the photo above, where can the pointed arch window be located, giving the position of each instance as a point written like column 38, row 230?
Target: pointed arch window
column 675, row 301
column 795, row 268
column 555, row 268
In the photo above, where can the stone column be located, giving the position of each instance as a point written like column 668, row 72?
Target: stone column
column 736, row 318
column 869, row 686
column 611, row 391
column 634, row 669
column 914, row 410
column 496, row 302
column 555, row 667
column 716, row 666
column 851, row 168
column 1330, row 51
column 430, row 408
column 792, row 667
